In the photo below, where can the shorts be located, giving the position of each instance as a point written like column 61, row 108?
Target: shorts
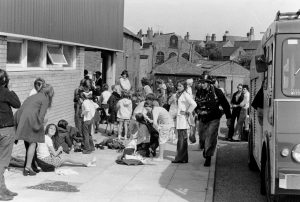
column 126, row 121
column 164, row 133
column 56, row 161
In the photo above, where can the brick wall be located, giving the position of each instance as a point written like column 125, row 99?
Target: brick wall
column 64, row 83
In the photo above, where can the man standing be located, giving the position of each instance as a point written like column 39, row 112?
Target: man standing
column 236, row 100
column 209, row 99
column 8, row 100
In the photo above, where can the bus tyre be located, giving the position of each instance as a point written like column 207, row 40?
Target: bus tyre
column 251, row 161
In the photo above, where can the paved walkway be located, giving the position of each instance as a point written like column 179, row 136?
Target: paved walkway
column 158, row 181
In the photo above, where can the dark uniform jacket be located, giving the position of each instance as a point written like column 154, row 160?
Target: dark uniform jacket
column 8, row 99
column 209, row 102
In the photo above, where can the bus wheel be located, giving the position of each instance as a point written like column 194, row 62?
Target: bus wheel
column 251, row 161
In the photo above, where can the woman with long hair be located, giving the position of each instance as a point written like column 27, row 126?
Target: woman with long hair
column 185, row 107
column 30, row 123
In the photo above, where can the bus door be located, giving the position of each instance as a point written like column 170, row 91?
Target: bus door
column 269, row 136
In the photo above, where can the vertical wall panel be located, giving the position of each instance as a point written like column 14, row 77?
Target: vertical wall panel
column 91, row 22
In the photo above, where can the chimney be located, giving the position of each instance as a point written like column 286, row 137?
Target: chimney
column 208, row 38
column 149, row 33
column 213, row 37
column 187, row 36
column 225, row 35
column 140, row 33
column 251, row 34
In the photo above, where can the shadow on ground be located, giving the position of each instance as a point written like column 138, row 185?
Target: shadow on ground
column 188, row 181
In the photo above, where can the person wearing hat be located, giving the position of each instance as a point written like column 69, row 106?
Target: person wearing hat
column 124, row 81
column 209, row 99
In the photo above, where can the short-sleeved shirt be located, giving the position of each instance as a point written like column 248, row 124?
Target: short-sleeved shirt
column 43, row 149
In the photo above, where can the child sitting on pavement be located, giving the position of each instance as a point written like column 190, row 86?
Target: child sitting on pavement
column 62, row 138
column 47, row 153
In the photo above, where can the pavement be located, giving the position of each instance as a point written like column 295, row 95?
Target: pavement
column 108, row 181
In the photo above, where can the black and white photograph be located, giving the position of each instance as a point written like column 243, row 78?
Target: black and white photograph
column 150, row 100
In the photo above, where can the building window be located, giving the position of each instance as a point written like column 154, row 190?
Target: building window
column 173, row 41
column 172, row 55
column 55, row 55
column 37, row 55
column 34, row 54
column 14, row 52
column 185, row 56
column 160, row 58
column 70, row 55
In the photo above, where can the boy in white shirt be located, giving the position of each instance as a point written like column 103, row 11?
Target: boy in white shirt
column 88, row 111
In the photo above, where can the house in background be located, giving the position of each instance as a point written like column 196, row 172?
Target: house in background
column 158, row 48
column 48, row 39
column 129, row 59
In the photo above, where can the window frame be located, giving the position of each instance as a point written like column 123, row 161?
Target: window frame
column 59, row 64
column 23, row 54
column 23, row 66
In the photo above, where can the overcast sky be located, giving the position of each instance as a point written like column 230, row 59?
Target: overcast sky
column 200, row 17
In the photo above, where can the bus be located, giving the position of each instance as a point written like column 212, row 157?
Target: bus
column 274, row 135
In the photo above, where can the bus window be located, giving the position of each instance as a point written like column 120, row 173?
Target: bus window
column 291, row 67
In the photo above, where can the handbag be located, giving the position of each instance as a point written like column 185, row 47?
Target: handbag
column 192, row 136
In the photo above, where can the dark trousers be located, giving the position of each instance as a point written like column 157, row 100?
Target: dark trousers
column 77, row 118
column 201, row 134
column 7, row 138
column 235, row 116
column 34, row 159
column 210, row 131
column 88, row 144
column 182, row 146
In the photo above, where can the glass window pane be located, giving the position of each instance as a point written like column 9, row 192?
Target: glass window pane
column 14, row 52
column 56, row 55
column 69, row 55
column 291, row 67
column 34, row 54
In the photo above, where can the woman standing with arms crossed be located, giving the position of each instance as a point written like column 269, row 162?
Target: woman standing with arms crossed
column 8, row 99
column 185, row 107
column 30, row 122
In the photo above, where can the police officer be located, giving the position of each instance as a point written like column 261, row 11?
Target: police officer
column 209, row 99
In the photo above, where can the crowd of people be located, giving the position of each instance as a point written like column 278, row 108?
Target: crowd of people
column 145, row 120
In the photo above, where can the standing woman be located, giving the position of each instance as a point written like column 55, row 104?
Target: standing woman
column 185, row 107
column 124, row 81
column 8, row 99
column 30, row 122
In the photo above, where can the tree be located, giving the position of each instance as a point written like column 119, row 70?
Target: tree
column 244, row 60
column 211, row 50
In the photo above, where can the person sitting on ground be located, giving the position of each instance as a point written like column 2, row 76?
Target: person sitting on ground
column 124, row 107
column 62, row 137
column 47, row 153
